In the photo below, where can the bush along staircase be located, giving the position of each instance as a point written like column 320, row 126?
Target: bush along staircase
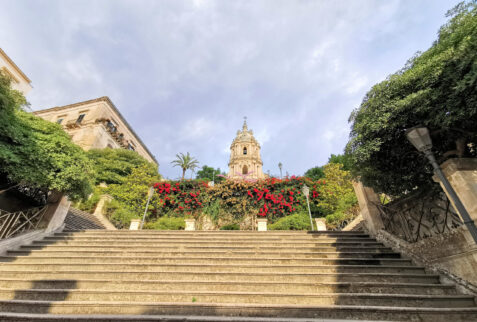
column 204, row 276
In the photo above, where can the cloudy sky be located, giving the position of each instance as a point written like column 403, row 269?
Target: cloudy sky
column 185, row 73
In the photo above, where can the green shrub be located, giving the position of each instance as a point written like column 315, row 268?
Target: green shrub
column 166, row 223
column 230, row 227
column 299, row 221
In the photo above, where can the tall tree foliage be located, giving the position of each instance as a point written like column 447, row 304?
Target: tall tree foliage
column 210, row 174
column 315, row 173
column 37, row 152
column 112, row 166
column 437, row 89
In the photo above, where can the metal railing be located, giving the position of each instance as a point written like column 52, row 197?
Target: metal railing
column 14, row 223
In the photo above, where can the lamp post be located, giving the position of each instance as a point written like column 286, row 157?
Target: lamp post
column 149, row 195
column 306, row 192
column 421, row 139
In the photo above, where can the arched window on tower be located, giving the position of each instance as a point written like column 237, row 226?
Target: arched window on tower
column 244, row 150
column 244, row 169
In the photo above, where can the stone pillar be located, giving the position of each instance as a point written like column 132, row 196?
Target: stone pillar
column 103, row 200
column 56, row 212
column 462, row 175
column 368, row 200
column 135, row 223
column 189, row 224
column 262, row 224
column 99, row 212
column 320, row 224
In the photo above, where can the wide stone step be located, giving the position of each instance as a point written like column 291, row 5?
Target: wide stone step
column 204, row 243
column 265, row 239
column 202, row 260
column 237, row 254
column 200, row 275
column 439, row 301
column 229, row 286
column 133, row 311
column 214, row 268
column 161, row 248
column 126, row 232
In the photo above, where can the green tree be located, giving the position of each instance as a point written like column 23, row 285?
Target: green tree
column 436, row 89
column 37, row 152
column 112, row 166
column 130, row 196
column 343, row 159
column 315, row 173
column 208, row 173
column 185, row 162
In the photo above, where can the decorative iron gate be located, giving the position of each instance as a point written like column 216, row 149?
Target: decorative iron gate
column 419, row 216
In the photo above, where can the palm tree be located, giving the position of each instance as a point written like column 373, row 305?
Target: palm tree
column 186, row 162
column 280, row 166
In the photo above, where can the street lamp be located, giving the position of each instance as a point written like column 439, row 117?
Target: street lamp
column 306, row 192
column 421, row 139
column 149, row 195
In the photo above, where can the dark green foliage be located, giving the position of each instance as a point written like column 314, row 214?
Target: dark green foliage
column 112, row 166
column 167, row 223
column 315, row 173
column 437, row 89
column 208, row 173
column 230, row 227
column 344, row 159
column 39, row 153
column 299, row 221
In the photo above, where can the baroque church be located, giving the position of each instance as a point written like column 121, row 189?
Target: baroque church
column 245, row 161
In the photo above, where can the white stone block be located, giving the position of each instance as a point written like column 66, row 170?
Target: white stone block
column 262, row 224
column 135, row 223
column 189, row 224
column 320, row 224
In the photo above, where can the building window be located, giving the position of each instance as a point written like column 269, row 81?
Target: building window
column 131, row 147
column 80, row 118
column 58, row 121
column 111, row 127
column 244, row 150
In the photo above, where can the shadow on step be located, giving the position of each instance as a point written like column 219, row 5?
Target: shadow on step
column 53, row 290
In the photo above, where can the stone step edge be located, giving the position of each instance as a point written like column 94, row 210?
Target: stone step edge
column 4, row 316
column 358, row 284
column 269, row 294
column 249, row 305
column 201, row 232
column 6, row 264
column 225, row 273
column 40, row 251
column 208, row 258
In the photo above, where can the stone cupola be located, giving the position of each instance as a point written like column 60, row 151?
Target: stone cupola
column 245, row 161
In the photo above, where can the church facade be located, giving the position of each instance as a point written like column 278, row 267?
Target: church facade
column 245, row 160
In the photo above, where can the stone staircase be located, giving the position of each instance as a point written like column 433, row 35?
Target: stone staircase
column 220, row 276
column 81, row 220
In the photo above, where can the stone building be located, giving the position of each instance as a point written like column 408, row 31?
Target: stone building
column 97, row 124
column 245, row 161
column 20, row 81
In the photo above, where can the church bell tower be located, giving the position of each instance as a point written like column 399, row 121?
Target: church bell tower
column 245, row 161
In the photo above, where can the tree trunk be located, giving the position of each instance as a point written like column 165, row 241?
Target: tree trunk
column 183, row 173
